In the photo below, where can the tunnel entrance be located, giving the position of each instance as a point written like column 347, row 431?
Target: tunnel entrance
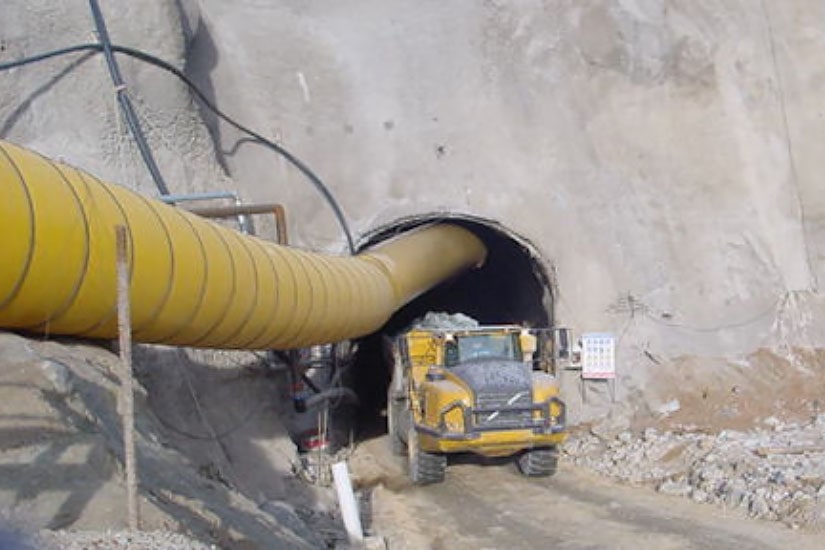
column 512, row 287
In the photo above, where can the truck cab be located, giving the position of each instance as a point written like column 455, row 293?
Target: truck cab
column 478, row 390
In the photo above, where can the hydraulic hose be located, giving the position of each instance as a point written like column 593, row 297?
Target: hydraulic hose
column 193, row 282
column 342, row 393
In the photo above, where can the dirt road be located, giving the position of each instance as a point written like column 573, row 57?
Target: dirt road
column 488, row 505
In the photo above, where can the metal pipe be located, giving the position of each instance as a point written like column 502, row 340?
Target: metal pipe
column 193, row 282
column 276, row 210
column 172, row 199
column 340, row 392
column 243, row 221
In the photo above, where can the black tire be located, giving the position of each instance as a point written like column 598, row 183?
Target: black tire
column 424, row 468
column 538, row 462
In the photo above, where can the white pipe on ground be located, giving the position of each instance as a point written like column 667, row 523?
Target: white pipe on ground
column 346, row 501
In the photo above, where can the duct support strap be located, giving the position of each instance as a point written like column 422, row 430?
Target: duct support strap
column 193, row 282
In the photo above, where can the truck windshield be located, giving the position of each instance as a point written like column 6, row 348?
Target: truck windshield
column 479, row 346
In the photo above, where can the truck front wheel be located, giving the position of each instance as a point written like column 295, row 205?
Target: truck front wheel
column 424, row 468
column 538, row 462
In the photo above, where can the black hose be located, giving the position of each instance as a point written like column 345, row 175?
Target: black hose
column 345, row 394
column 296, row 162
column 123, row 98
column 48, row 55
column 143, row 56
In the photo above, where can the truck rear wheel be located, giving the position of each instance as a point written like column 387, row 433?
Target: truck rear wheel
column 538, row 462
column 424, row 468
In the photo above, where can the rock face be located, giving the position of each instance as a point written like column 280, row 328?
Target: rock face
column 61, row 456
column 66, row 108
column 663, row 159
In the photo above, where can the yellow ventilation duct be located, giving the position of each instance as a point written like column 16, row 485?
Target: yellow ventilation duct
column 194, row 282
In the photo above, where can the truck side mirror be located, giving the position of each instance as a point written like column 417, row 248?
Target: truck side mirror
column 529, row 344
column 561, row 343
column 450, row 353
column 566, row 353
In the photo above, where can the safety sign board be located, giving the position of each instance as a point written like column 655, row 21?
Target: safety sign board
column 598, row 355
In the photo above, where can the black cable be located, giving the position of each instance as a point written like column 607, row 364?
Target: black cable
column 125, row 103
column 143, row 56
column 47, row 55
column 312, row 385
column 303, row 168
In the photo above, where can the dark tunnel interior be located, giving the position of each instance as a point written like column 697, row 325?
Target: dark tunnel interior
column 512, row 287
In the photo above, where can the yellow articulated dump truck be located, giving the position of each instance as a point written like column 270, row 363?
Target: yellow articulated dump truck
column 477, row 390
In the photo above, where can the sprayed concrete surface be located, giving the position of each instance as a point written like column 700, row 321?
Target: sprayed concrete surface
column 661, row 158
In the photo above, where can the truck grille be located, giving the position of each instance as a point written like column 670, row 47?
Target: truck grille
column 494, row 402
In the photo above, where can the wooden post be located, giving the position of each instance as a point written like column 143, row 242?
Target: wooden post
column 127, row 403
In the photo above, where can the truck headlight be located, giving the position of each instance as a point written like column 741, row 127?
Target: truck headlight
column 454, row 419
column 556, row 411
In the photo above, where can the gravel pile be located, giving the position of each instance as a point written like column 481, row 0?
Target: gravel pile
column 445, row 321
column 776, row 473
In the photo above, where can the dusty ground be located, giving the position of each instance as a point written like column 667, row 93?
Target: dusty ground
column 216, row 465
column 488, row 505
column 716, row 393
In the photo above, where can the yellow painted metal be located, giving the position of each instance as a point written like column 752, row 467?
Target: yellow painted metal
column 439, row 395
column 424, row 349
column 545, row 386
column 437, row 403
column 194, row 282
column 492, row 444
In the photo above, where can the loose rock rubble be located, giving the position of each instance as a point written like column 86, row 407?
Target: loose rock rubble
column 133, row 540
column 775, row 473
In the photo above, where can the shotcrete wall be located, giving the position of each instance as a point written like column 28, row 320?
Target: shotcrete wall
column 663, row 155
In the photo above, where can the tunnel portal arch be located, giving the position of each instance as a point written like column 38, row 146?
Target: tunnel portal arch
column 515, row 285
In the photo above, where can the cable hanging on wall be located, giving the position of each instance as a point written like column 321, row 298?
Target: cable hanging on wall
column 316, row 181
column 124, row 101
